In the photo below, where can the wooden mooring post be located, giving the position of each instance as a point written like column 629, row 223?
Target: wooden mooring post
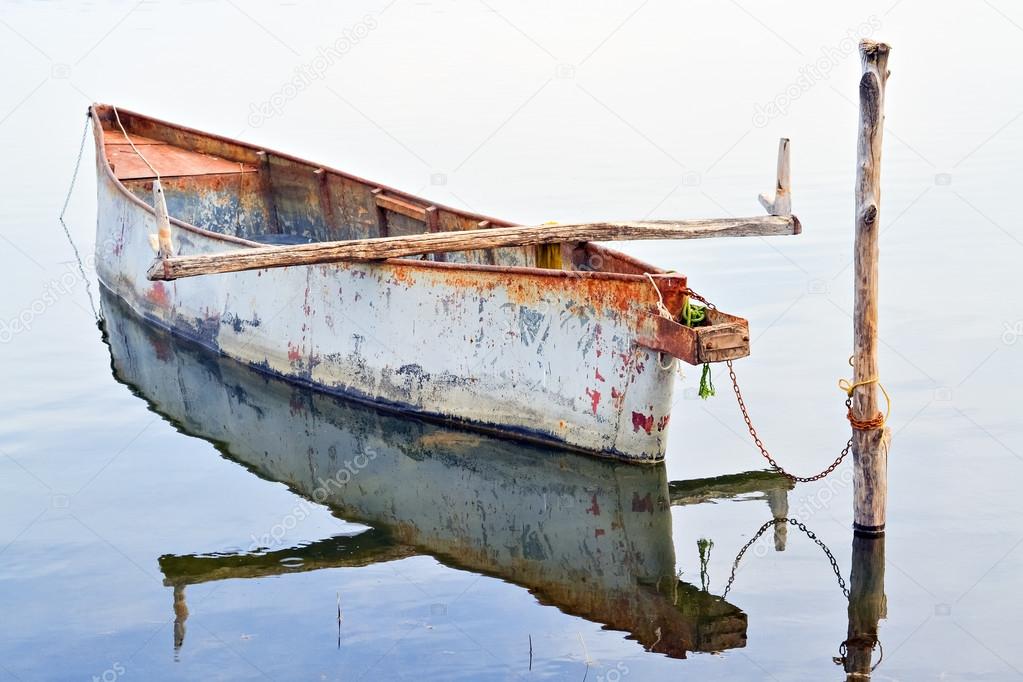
column 870, row 440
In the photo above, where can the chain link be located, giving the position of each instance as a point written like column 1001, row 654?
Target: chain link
column 63, row 210
column 760, row 444
column 809, row 533
column 78, row 163
column 753, row 431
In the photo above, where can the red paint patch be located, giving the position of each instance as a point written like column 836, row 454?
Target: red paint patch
column 617, row 398
column 294, row 353
column 595, row 509
column 157, row 294
column 662, row 423
column 642, row 504
column 597, row 532
column 642, row 421
column 162, row 348
column 597, row 375
column 594, row 398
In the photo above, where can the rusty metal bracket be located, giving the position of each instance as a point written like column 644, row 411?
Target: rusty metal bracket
column 726, row 338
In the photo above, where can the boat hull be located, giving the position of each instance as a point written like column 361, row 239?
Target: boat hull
column 543, row 355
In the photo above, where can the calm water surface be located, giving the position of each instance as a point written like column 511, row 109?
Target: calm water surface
column 169, row 515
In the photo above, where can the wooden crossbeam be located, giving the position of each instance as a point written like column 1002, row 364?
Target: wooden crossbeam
column 258, row 258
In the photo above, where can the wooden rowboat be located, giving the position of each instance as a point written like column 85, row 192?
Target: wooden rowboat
column 557, row 343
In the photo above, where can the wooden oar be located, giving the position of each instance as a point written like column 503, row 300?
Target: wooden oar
column 258, row 258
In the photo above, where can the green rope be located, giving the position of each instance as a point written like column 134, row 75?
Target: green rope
column 703, row 546
column 706, row 383
column 692, row 316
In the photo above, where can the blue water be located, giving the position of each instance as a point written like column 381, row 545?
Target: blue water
column 532, row 113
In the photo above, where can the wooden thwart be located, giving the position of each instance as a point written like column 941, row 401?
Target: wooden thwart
column 258, row 258
column 401, row 206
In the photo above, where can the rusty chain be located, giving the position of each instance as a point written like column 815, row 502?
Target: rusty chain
column 763, row 450
column 753, row 431
column 809, row 533
column 866, row 638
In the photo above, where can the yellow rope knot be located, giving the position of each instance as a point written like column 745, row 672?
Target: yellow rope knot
column 878, row 420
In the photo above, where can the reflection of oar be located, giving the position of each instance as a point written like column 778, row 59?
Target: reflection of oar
column 370, row 547
column 698, row 490
column 774, row 486
column 666, row 615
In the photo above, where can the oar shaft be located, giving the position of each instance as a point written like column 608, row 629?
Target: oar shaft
column 258, row 258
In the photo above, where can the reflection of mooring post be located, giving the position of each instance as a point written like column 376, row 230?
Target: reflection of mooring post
column 867, row 603
column 180, row 616
column 778, row 501
column 870, row 437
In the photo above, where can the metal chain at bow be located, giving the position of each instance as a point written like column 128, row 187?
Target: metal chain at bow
column 809, row 533
column 63, row 210
column 753, row 431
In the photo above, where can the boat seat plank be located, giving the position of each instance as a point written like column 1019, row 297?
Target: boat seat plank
column 169, row 161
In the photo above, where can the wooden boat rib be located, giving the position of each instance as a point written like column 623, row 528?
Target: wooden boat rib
column 561, row 345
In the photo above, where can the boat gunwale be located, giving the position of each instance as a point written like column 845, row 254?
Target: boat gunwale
column 99, row 135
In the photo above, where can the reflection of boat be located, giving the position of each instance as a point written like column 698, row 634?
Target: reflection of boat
column 592, row 537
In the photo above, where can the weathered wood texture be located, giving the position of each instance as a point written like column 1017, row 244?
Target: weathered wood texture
column 164, row 247
column 780, row 202
column 870, row 447
column 443, row 242
column 778, row 501
column 168, row 160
